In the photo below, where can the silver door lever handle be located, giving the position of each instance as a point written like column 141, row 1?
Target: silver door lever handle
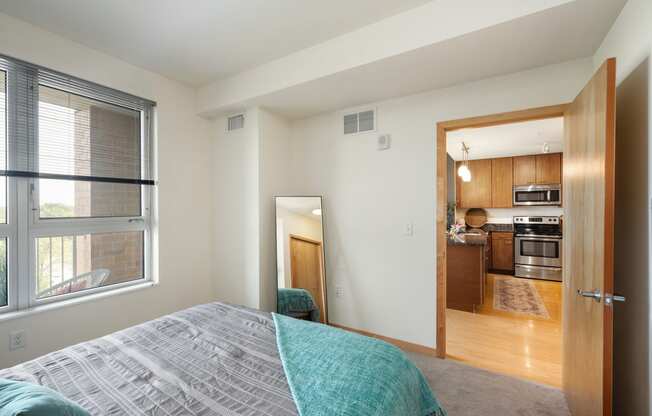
column 594, row 294
column 610, row 299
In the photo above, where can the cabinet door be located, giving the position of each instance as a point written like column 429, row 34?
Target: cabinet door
column 502, row 245
column 477, row 192
column 501, row 182
column 548, row 168
column 525, row 171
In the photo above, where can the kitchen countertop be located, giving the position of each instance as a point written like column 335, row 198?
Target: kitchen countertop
column 466, row 239
column 478, row 239
column 504, row 228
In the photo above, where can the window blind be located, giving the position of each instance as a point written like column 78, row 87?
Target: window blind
column 62, row 127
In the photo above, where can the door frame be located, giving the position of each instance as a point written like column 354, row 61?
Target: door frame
column 538, row 113
column 322, row 280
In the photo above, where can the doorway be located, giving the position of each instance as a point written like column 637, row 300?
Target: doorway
column 588, row 273
column 484, row 331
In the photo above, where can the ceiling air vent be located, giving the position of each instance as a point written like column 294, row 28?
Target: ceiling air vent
column 236, row 122
column 360, row 122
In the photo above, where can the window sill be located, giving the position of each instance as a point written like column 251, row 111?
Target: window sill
column 74, row 301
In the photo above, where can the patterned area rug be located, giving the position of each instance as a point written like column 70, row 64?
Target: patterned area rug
column 519, row 296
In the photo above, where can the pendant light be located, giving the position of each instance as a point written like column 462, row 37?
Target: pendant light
column 463, row 171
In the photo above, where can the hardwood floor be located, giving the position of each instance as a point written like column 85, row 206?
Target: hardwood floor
column 519, row 345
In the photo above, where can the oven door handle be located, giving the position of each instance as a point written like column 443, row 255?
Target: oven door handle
column 538, row 237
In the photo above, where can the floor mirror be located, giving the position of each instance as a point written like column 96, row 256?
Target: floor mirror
column 301, row 274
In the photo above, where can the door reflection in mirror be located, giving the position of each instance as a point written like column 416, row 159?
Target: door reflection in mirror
column 301, row 275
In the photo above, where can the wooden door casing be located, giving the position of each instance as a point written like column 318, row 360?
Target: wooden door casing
column 307, row 270
column 589, row 181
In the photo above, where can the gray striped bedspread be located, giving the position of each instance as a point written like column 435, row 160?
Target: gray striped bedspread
column 213, row 359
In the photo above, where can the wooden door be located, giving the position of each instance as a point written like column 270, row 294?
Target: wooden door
column 307, row 270
column 548, row 168
column 501, row 182
column 525, row 170
column 477, row 192
column 589, row 146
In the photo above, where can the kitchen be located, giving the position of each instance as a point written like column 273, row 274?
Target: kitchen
column 504, row 254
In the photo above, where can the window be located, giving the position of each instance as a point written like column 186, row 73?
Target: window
column 75, row 187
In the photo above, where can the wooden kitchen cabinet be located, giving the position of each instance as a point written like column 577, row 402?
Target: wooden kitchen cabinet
column 548, row 168
column 525, row 170
column 493, row 180
column 502, row 251
column 477, row 193
column 501, row 182
column 465, row 277
column 544, row 169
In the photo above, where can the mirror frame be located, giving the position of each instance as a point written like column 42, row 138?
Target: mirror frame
column 323, row 250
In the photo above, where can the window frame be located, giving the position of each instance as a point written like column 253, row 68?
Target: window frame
column 24, row 224
column 8, row 229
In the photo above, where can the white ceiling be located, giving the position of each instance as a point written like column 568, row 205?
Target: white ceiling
column 302, row 205
column 515, row 139
column 563, row 33
column 198, row 41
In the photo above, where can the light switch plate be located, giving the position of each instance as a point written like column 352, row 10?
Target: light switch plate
column 409, row 229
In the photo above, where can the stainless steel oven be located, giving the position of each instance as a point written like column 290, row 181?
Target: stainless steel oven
column 538, row 247
column 538, row 250
column 537, row 195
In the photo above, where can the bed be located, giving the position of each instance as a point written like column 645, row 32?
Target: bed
column 213, row 359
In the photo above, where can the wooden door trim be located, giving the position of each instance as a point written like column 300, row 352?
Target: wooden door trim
column 441, row 195
column 306, row 239
column 609, row 231
column 322, row 270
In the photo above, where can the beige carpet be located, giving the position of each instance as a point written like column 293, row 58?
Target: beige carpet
column 469, row 391
column 518, row 296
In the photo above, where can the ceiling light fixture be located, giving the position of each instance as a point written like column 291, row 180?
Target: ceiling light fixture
column 463, row 171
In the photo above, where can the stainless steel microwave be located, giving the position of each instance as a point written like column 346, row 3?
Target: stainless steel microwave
column 537, row 195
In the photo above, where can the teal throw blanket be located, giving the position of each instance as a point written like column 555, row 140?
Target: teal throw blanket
column 297, row 302
column 335, row 372
column 18, row 398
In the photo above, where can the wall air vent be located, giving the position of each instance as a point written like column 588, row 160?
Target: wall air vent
column 236, row 122
column 361, row 122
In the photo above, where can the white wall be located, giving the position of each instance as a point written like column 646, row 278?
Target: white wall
column 294, row 224
column 388, row 279
column 630, row 41
column 185, row 241
column 275, row 180
column 236, row 225
column 250, row 167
